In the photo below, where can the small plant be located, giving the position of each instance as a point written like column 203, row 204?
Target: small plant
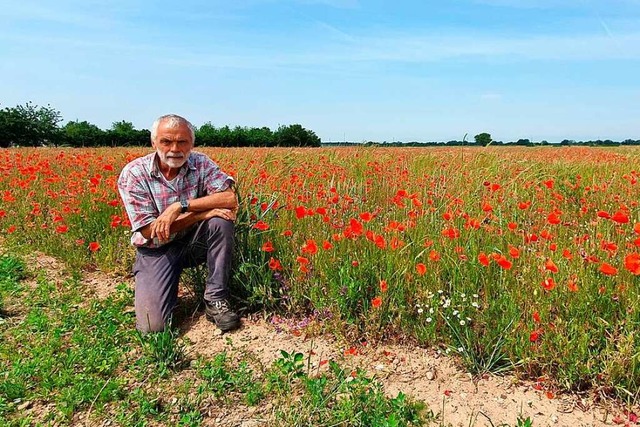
column 11, row 268
column 480, row 355
column 164, row 350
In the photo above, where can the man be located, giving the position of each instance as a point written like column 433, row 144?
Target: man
column 181, row 207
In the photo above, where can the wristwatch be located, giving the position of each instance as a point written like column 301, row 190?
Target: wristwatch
column 184, row 204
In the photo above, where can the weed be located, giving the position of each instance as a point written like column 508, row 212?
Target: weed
column 164, row 350
column 479, row 354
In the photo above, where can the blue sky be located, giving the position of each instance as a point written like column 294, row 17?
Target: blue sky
column 350, row 70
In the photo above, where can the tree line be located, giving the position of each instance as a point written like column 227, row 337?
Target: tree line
column 31, row 125
column 484, row 139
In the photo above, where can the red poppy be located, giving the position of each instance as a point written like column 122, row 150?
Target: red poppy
column 62, row 229
column 376, row 302
column 549, row 265
column 301, row 211
column 383, row 286
column 274, row 264
column 620, row 217
column 11, row 229
column 261, row 225
column 483, row 259
column 421, row 269
column 553, row 218
column 326, row 245
column 534, row 336
column 572, row 285
column 356, row 227
column 366, row 216
column 94, row 246
column 267, row 246
column 632, row 263
column 514, row 252
column 434, row 255
column 310, row 247
column 536, row 317
column 548, row 284
column 503, row 262
column 603, row 214
column 608, row 269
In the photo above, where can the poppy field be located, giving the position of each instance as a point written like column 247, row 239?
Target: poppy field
column 514, row 259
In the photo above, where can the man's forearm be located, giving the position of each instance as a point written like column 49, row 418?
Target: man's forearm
column 185, row 220
column 225, row 199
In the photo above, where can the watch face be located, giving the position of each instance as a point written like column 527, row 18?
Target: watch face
column 185, row 206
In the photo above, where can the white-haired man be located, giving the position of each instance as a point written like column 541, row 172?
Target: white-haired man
column 181, row 207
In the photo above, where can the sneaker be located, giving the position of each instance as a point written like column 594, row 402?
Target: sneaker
column 221, row 314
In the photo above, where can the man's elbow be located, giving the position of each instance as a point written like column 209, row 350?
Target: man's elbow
column 231, row 199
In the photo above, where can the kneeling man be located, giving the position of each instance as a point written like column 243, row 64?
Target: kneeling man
column 181, row 207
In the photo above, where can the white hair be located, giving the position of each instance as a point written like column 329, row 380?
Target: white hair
column 172, row 120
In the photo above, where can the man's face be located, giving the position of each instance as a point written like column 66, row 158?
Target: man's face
column 173, row 144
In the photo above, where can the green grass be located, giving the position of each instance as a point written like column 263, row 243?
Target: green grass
column 64, row 355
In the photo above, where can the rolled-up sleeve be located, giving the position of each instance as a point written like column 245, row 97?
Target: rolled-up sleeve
column 138, row 201
column 215, row 180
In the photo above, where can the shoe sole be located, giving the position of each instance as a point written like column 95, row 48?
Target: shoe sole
column 224, row 327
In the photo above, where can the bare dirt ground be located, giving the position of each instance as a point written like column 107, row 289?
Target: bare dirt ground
column 424, row 374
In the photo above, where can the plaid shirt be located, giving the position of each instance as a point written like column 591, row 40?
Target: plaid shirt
column 146, row 193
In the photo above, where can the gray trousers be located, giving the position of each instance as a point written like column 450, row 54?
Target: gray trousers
column 157, row 271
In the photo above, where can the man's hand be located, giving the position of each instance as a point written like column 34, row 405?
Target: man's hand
column 161, row 227
column 228, row 214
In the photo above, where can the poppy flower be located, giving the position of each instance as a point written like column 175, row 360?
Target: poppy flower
column 261, row 225
column 366, row 216
column 94, row 246
column 274, row 264
column 553, row 218
column 608, row 269
column 267, row 247
column 62, row 229
column 483, row 259
column 632, row 263
column 548, row 284
column 376, row 302
column 310, row 247
column 514, row 252
column 383, row 286
column 549, row 265
column 503, row 262
column 620, row 217
column 421, row 269
column 534, row 336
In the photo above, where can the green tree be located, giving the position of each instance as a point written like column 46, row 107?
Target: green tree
column 483, row 139
column 207, row 135
column 29, row 125
column 83, row 134
column 296, row 136
column 123, row 133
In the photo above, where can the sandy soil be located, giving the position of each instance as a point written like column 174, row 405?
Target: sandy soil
column 421, row 373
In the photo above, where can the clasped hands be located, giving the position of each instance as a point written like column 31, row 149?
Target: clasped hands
column 161, row 227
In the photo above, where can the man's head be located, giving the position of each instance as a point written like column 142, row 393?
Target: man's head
column 173, row 137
